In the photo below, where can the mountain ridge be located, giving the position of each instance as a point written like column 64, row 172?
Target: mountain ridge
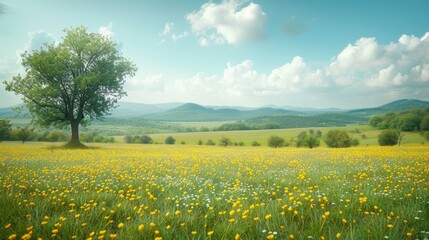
column 193, row 112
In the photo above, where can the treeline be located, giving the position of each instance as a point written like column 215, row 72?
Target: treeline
column 410, row 120
column 27, row 134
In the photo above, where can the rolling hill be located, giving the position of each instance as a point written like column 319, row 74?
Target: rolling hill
column 395, row 106
column 191, row 112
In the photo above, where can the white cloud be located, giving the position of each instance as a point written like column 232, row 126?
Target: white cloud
column 228, row 21
column 107, row 31
column 169, row 33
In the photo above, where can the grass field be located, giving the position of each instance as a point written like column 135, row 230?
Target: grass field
column 129, row 191
column 261, row 136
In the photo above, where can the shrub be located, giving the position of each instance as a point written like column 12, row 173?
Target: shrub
column 338, row 139
column 311, row 141
column 210, row 142
column 170, row 140
column 275, row 141
column 388, row 137
column 256, row 144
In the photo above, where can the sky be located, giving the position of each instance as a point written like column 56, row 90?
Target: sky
column 319, row 54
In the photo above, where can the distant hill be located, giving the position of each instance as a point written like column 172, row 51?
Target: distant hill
column 128, row 109
column 191, row 112
column 318, row 120
column 395, row 106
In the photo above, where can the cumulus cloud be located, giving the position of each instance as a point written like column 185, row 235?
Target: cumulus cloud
column 230, row 21
column 375, row 65
column 363, row 72
column 37, row 39
column 107, row 31
column 168, row 32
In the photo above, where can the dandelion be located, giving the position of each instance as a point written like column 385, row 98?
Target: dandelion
column 152, row 225
column 112, row 235
column 121, row 225
column 338, row 235
column 237, row 236
column 11, row 237
column 210, row 233
column 141, row 227
column 389, row 225
column 8, row 226
column 194, row 232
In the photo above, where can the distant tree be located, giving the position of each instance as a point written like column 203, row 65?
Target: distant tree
column 72, row 82
column 183, row 142
column 5, row 130
column 56, row 136
column 375, row 121
column 337, row 139
column 311, row 141
column 275, row 141
column 409, row 122
column 224, row 141
column 23, row 134
column 388, row 137
column 200, row 142
column 311, row 131
column 256, row 144
column 145, row 139
column 170, row 140
column 210, row 142
column 204, row 129
column 354, row 142
column 318, row 133
column 241, row 143
column 424, row 124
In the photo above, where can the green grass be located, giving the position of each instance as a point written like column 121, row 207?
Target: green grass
column 256, row 193
column 261, row 136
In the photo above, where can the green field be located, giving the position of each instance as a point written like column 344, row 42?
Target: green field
column 261, row 136
column 130, row 191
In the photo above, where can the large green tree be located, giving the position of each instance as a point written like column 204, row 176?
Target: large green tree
column 72, row 82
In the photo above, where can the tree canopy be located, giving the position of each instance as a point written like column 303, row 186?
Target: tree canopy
column 72, row 82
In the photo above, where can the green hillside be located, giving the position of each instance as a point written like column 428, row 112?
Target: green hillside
column 191, row 112
column 395, row 106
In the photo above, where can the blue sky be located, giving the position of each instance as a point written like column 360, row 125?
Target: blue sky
column 319, row 54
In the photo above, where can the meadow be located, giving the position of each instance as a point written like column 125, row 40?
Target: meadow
column 131, row 191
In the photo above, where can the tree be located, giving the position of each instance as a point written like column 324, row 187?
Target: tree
column 145, row 139
column 256, row 144
column 275, row 141
column 170, row 140
column 300, row 139
column 311, row 141
column 375, row 121
column 210, row 142
column 337, row 139
column 5, row 129
column 23, row 134
column 73, row 82
column 224, row 141
column 424, row 124
column 388, row 137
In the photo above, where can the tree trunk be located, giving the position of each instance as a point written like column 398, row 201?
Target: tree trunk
column 75, row 131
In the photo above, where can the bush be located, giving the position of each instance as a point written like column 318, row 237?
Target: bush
column 338, row 139
column 256, row 144
column 200, row 142
column 170, row 140
column 210, row 142
column 145, row 139
column 275, row 141
column 224, row 141
column 311, row 141
column 388, row 137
